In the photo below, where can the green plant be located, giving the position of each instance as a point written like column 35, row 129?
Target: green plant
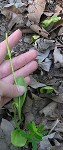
column 34, row 38
column 33, row 135
column 20, row 137
column 47, row 90
column 49, row 21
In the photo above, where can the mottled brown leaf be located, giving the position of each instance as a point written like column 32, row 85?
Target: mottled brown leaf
column 36, row 9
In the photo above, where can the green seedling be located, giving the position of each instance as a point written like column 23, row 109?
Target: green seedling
column 7, row 57
column 49, row 21
column 34, row 38
column 47, row 90
column 34, row 134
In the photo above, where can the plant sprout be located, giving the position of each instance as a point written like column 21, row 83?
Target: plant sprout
column 20, row 137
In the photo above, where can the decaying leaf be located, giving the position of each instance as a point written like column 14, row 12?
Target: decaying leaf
column 46, row 64
column 34, row 84
column 28, row 105
column 60, row 31
column 55, row 124
column 10, row 11
column 7, row 127
column 59, row 127
column 35, row 10
column 44, row 44
column 56, row 148
column 42, row 55
column 48, row 109
column 15, row 7
column 45, row 143
column 39, row 103
column 17, row 20
column 48, row 14
column 56, row 25
column 58, row 57
column 58, row 98
column 6, row 13
column 29, row 117
column 56, row 142
column 58, row 9
column 38, row 30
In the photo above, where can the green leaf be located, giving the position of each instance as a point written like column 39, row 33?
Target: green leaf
column 17, row 139
column 45, row 132
column 49, row 21
column 40, row 128
column 24, row 134
column 19, row 101
column 34, row 145
column 29, row 126
column 47, row 89
column 33, row 130
column 37, row 138
column 35, row 37
column 7, row 57
column 34, row 126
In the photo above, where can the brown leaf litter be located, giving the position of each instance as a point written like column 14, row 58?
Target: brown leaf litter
column 43, row 108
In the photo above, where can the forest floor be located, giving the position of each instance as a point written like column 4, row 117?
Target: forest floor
column 43, row 107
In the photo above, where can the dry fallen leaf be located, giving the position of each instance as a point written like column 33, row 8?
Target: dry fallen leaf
column 46, row 64
column 58, row 57
column 19, row 19
column 57, row 10
column 38, row 30
column 34, row 84
column 42, row 55
column 14, row 12
column 57, row 98
column 60, row 31
column 35, row 10
column 45, row 143
column 7, row 127
column 44, row 44
column 56, row 148
column 48, row 109
column 54, row 125
column 12, row 8
column 39, row 103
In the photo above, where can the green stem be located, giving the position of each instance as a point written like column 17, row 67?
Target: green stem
column 9, row 53
column 20, row 109
column 17, row 126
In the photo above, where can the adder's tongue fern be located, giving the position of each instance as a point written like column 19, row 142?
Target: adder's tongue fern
column 9, row 54
column 18, row 101
column 20, row 137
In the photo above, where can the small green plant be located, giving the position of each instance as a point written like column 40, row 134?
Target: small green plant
column 20, row 137
column 34, row 38
column 49, row 21
column 33, row 135
column 47, row 90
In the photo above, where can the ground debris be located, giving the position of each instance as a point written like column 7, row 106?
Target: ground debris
column 44, row 109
